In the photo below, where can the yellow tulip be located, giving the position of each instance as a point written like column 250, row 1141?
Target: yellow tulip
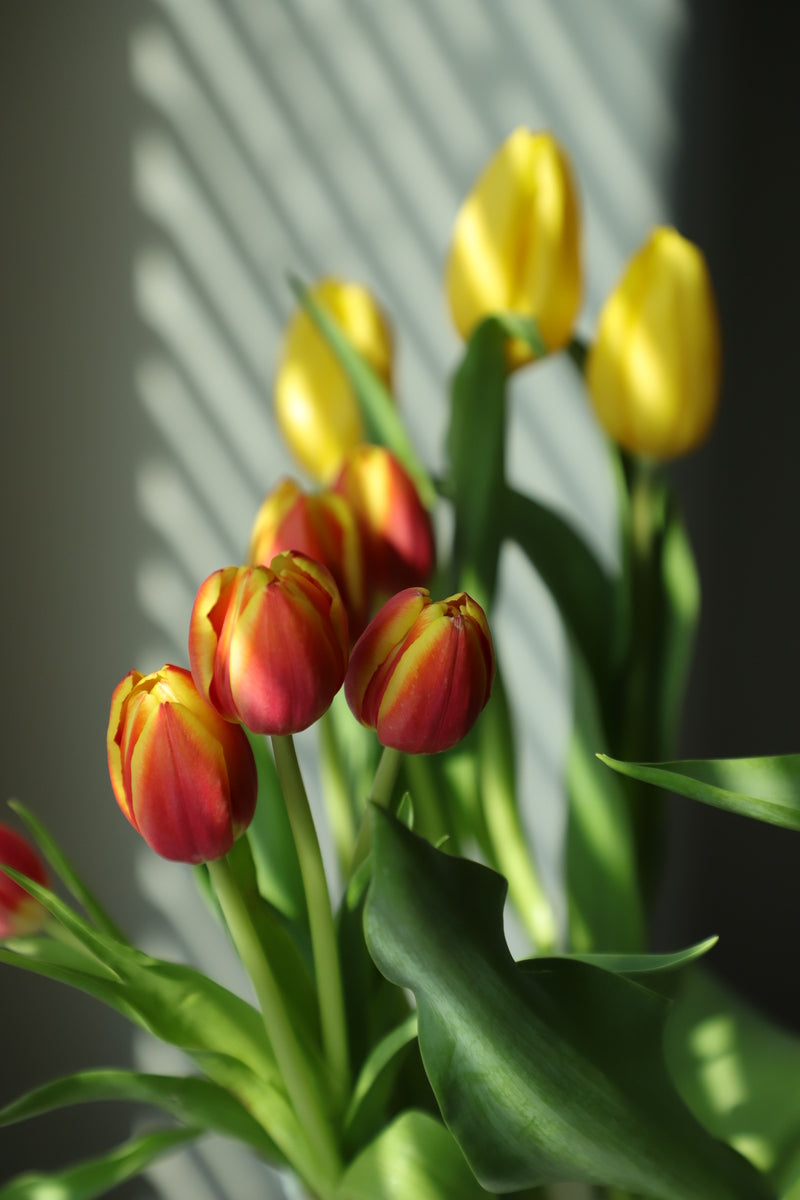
column 315, row 407
column 516, row 243
column 654, row 370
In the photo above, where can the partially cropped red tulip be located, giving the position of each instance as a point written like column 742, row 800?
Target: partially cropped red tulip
column 20, row 914
column 422, row 671
column 184, row 777
column 321, row 525
column 268, row 645
column 396, row 530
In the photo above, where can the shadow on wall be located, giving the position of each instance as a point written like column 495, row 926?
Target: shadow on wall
column 738, row 194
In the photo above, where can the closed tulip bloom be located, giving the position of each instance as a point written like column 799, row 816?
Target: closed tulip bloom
column 20, row 914
column 269, row 645
column 422, row 671
column 654, row 370
column 315, row 406
column 184, row 777
column 396, row 530
column 322, row 526
column 516, row 244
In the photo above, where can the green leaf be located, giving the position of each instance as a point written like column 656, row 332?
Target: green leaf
column 739, row 1073
column 193, row 1101
column 643, row 964
column 94, row 1178
column 414, row 1156
column 366, row 1111
column 66, row 872
column 348, row 759
column 272, row 844
column 585, row 595
column 680, row 609
column 476, row 454
column 767, row 789
column 541, row 1075
column 384, row 423
column 605, row 905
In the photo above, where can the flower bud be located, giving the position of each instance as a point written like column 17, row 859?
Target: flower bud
column 184, row 777
column 395, row 527
column 516, row 244
column 268, row 645
column 654, row 371
column 315, row 406
column 321, row 526
column 20, row 914
column 422, row 671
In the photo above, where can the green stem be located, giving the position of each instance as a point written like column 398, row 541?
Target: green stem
column 381, row 794
column 330, row 989
column 337, row 792
column 302, row 1086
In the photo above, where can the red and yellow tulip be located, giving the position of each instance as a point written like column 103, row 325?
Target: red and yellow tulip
column 20, row 914
column 183, row 776
column 422, row 671
column 269, row 645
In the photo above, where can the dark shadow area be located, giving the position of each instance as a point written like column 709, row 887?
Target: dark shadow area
column 738, row 196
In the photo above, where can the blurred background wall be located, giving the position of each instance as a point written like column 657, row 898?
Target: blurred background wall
column 165, row 163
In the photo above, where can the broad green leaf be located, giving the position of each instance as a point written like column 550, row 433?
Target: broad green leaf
column 605, row 906
column 585, row 595
column 384, row 423
column 193, row 1101
column 739, row 1073
column 767, row 789
column 413, row 1158
column 66, row 872
column 96, row 1177
column 541, row 1075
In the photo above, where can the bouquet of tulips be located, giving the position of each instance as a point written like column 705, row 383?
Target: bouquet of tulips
column 392, row 1047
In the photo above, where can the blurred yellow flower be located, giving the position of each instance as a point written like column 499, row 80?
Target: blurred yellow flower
column 315, row 407
column 516, row 243
column 654, row 370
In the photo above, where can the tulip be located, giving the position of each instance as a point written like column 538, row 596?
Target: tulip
column 321, row 526
column 184, row 777
column 422, row 671
column 20, row 914
column 315, row 406
column 654, row 371
column 269, row 645
column 395, row 527
column 516, row 244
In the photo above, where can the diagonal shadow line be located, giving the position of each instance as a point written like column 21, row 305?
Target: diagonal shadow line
column 439, row 148
column 236, row 410
column 234, row 162
column 392, row 179
column 331, row 185
column 198, row 254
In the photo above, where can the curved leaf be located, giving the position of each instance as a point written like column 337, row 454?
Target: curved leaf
column 94, row 1178
column 193, row 1101
column 767, row 789
column 545, row 1075
column 415, row 1157
column 637, row 964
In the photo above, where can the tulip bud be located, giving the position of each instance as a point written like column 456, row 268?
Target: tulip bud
column 321, row 526
column 396, row 530
column 516, row 244
column 268, row 645
column 654, row 371
column 315, row 407
column 184, row 777
column 20, row 914
column 422, row 671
